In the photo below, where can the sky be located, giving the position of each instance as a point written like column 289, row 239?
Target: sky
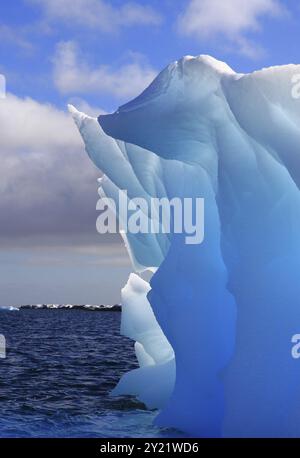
column 96, row 54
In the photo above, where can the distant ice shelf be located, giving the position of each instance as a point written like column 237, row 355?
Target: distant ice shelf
column 86, row 307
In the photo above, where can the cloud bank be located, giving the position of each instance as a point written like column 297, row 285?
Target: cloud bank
column 47, row 185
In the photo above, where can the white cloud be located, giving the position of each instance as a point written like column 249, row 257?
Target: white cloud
column 231, row 19
column 47, row 183
column 98, row 14
column 73, row 75
column 16, row 37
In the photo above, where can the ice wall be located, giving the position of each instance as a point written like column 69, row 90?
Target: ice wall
column 230, row 306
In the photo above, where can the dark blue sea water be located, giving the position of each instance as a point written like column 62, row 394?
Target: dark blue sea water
column 59, row 370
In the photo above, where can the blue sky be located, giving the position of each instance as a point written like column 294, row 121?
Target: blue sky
column 31, row 32
column 97, row 54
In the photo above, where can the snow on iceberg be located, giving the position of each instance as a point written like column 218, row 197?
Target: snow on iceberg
column 229, row 307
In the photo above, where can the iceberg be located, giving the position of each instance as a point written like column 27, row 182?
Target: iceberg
column 215, row 327
column 9, row 308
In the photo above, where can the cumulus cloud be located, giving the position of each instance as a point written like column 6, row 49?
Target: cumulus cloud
column 73, row 75
column 47, row 183
column 98, row 14
column 232, row 19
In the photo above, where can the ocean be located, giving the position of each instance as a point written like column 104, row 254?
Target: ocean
column 60, row 368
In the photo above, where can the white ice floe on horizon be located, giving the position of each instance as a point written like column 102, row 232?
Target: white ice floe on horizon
column 9, row 308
